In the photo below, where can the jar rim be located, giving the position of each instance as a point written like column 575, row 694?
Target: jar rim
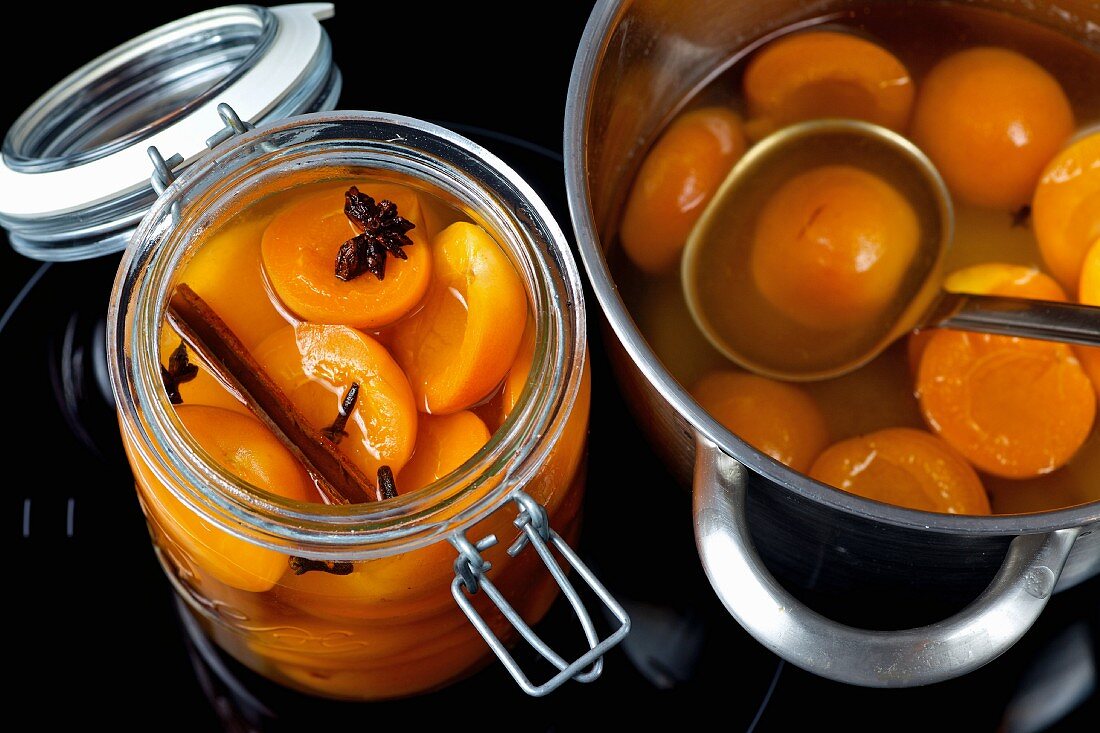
column 32, row 146
column 488, row 188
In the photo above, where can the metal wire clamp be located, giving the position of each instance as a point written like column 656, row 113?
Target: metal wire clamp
column 470, row 579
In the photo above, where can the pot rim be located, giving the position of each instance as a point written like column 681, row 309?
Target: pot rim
column 590, row 55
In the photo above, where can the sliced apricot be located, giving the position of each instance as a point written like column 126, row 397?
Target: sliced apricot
column 245, row 448
column 227, row 272
column 990, row 119
column 776, row 418
column 1065, row 212
column 299, row 256
column 458, row 347
column 317, row 364
column 676, row 181
column 1001, row 278
column 832, row 245
column 904, row 467
column 819, row 74
column 990, row 278
column 443, row 443
column 1013, row 407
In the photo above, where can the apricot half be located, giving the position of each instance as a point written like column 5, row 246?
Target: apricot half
column 904, row 467
column 459, row 346
column 1065, row 212
column 245, row 448
column 832, row 246
column 676, row 181
column 299, row 256
column 990, row 278
column 775, row 418
column 1088, row 289
column 821, row 74
column 1013, row 407
column 227, row 272
column 990, row 119
column 317, row 364
column 1002, row 278
column 443, row 443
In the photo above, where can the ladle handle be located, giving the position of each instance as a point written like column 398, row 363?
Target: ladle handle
column 1071, row 323
column 992, row 623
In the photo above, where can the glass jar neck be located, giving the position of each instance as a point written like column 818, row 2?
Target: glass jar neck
column 315, row 146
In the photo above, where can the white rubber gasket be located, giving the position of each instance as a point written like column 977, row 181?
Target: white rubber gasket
column 50, row 193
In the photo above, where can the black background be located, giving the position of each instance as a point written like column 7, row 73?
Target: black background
column 92, row 617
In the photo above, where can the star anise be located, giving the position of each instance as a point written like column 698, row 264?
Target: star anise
column 384, row 233
column 178, row 371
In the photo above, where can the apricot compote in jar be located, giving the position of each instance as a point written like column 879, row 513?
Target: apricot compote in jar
column 471, row 398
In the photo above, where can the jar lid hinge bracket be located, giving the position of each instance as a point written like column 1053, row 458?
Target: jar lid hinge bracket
column 164, row 168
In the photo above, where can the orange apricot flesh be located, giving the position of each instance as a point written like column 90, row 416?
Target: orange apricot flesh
column 676, row 181
column 227, row 272
column 1088, row 292
column 904, row 467
column 1088, row 288
column 245, row 448
column 299, row 256
column 1001, row 278
column 990, row 278
column 443, row 443
column 317, row 364
column 990, row 119
column 1065, row 211
column 776, row 418
column 821, row 74
column 832, row 246
column 1013, row 407
column 460, row 345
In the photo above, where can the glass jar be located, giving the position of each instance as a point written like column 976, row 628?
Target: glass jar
column 409, row 587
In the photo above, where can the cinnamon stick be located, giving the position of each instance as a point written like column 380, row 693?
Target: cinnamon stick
column 216, row 344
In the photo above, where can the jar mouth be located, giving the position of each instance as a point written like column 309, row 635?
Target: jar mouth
column 347, row 143
column 137, row 89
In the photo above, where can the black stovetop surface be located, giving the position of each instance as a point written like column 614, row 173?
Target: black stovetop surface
column 92, row 618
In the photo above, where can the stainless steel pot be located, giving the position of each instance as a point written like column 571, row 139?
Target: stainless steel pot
column 773, row 541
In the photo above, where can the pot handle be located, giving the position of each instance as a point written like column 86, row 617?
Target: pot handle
column 979, row 633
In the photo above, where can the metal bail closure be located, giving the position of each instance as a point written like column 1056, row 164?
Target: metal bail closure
column 470, row 573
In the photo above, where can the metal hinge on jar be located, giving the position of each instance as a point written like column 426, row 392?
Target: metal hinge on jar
column 164, row 168
column 470, row 579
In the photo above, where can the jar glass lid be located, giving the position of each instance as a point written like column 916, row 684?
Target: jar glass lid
column 75, row 167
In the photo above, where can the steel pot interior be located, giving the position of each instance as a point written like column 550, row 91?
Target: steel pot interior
column 638, row 62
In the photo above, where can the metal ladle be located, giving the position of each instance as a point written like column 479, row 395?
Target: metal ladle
column 754, row 335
